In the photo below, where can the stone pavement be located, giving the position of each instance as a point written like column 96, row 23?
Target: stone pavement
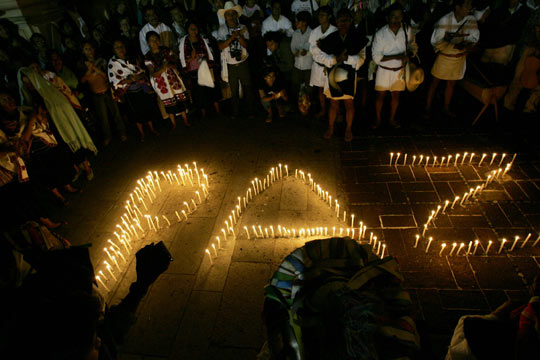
column 199, row 310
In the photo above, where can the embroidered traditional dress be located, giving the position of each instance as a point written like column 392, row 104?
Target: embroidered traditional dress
column 451, row 61
column 168, row 85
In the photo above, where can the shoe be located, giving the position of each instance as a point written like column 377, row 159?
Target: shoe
column 348, row 136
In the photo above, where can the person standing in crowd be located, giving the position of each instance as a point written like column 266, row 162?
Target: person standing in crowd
column 153, row 24
column 303, row 61
column 318, row 73
column 276, row 21
column 129, row 82
column 165, row 79
column 342, row 51
column 130, row 35
column 454, row 36
column 194, row 49
column 233, row 42
column 390, row 49
column 178, row 21
column 104, row 106
column 65, row 124
column 310, row 6
column 251, row 8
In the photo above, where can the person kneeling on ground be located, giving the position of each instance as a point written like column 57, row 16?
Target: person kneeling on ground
column 273, row 94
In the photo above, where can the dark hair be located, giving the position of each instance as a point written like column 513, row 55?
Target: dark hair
column 459, row 2
column 152, row 33
column 89, row 42
column 272, row 36
column 147, row 8
column 326, row 9
column 303, row 16
column 192, row 22
column 344, row 12
column 394, row 7
column 277, row 1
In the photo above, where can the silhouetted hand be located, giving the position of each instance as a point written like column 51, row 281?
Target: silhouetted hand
column 152, row 261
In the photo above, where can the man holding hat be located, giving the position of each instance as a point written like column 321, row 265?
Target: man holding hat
column 342, row 53
column 232, row 39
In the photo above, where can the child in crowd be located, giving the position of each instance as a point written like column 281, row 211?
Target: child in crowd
column 272, row 93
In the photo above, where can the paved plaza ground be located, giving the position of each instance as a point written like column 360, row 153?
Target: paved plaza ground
column 203, row 310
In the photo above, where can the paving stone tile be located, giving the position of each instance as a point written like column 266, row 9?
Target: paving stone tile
column 468, row 221
column 397, row 221
column 418, row 186
column 514, row 191
column 160, row 318
column 506, row 278
column 453, row 176
column 529, row 170
column 396, row 209
column 420, row 174
column 526, row 267
column 495, row 215
column 397, row 195
column 231, row 353
column 368, row 213
column 239, row 321
column 461, row 269
column 493, row 195
column 426, row 271
column 495, row 298
column 444, row 190
column 529, row 208
column 423, row 197
column 254, row 250
column 513, row 214
column 368, row 197
column 405, row 173
column 366, row 187
column 348, row 175
column 463, row 299
column 293, row 196
column 530, row 189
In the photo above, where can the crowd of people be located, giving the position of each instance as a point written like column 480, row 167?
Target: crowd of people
column 142, row 65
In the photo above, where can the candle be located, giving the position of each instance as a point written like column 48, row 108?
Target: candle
column 260, row 230
column 102, row 283
column 286, row 171
column 378, row 248
column 119, row 253
column 198, row 196
column 103, row 275
column 446, row 202
column 442, row 161
column 209, row 256
column 391, row 157
column 470, row 158
column 215, row 250
column 115, row 262
column 502, row 245
column 482, row 159
column 266, row 232
column 108, row 253
column 110, row 270
column 167, row 220
column 344, row 215
column 514, row 243
column 448, row 161
column 434, row 160
column 219, row 242
column 225, row 234
column 492, row 158
column 352, row 220
column 464, row 157
column 463, row 199
column 457, row 157
column 428, row 244
column 526, row 239
column 370, row 237
column 397, row 158
column 333, row 231
column 184, row 213
column 247, row 232
column 280, row 173
column 508, row 166
column 157, row 223
column 425, row 229
column 453, row 248
column 337, row 209
column 443, row 246
column 206, row 180
column 513, row 158
column 187, row 206
column 461, row 246
column 476, row 242
column 178, row 216
column 416, row 242
column 469, row 248
column 383, row 249
column 279, row 230
column 341, row 233
column 413, row 160
column 405, row 159
column 420, row 161
column 536, row 242
column 502, row 158
column 374, row 242
column 437, row 212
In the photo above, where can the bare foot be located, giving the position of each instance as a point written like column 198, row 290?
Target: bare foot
column 328, row 134
column 49, row 223
column 71, row 189
column 348, row 136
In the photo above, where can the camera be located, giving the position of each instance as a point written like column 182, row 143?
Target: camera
column 236, row 54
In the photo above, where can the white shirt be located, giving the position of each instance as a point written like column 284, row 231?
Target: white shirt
column 223, row 33
column 301, row 42
column 318, row 77
column 145, row 30
column 386, row 43
column 531, row 5
column 304, row 5
column 270, row 24
column 448, row 23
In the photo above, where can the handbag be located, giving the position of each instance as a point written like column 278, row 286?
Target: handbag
column 414, row 74
column 205, row 77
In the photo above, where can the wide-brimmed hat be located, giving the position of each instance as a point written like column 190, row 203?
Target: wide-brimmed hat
column 229, row 5
column 414, row 76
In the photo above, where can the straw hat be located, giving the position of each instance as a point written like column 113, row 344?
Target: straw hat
column 414, row 76
column 229, row 5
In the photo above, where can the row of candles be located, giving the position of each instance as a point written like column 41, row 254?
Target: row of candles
column 260, row 185
column 472, row 247
column 133, row 227
column 455, row 160
column 467, row 196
